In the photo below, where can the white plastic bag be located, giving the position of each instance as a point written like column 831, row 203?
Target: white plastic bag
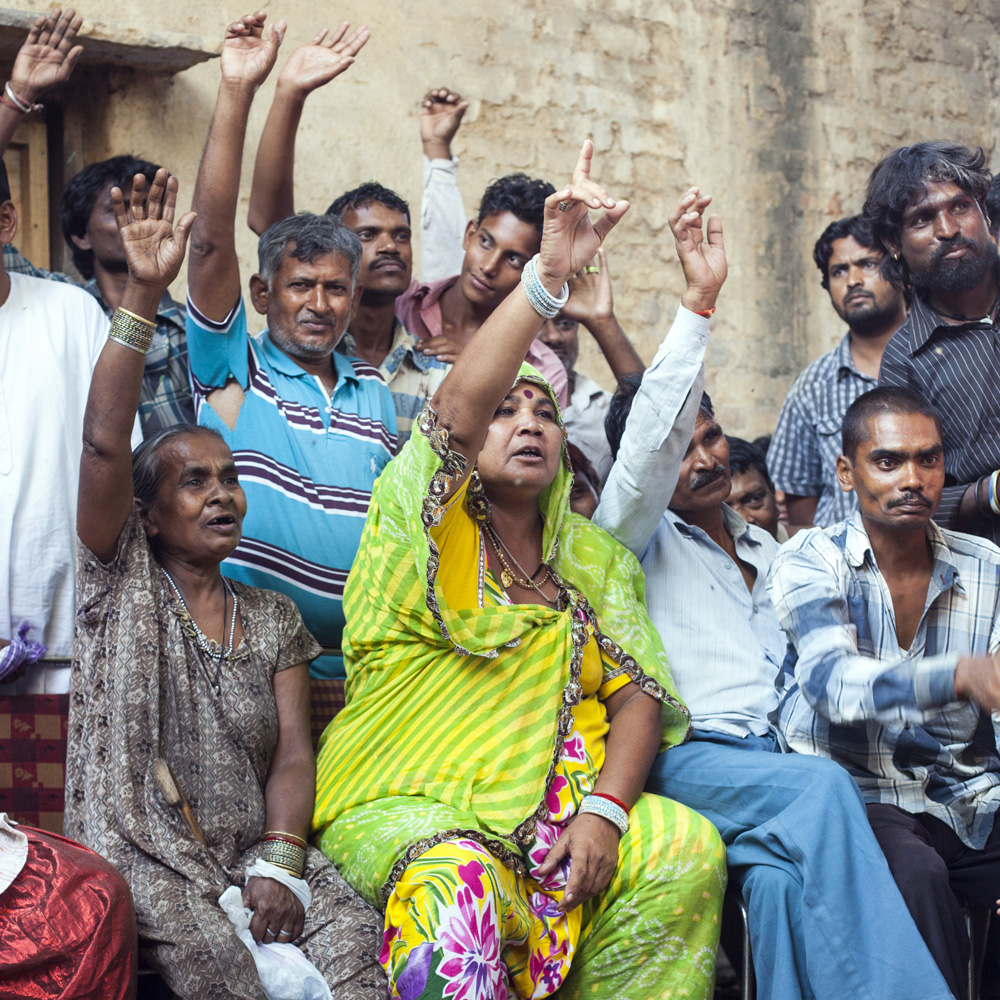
column 285, row 973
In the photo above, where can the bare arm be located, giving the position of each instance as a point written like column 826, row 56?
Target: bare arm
column 154, row 251
column 45, row 60
column 592, row 304
column 289, row 796
column 467, row 399
column 308, row 68
column 248, row 53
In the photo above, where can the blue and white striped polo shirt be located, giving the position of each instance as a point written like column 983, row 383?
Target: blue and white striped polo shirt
column 307, row 462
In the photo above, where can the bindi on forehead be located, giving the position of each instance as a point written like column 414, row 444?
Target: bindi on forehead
column 528, row 394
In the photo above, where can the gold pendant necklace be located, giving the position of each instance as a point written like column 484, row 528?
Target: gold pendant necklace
column 507, row 575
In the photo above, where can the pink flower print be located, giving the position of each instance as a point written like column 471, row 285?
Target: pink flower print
column 469, row 940
column 574, row 748
column 552, row 802
column 390, row 935
column 471, row 874
column 547, row 971
column 546, row 834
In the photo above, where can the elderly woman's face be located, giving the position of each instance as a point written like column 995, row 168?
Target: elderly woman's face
column 200, row 505
column 523, row 446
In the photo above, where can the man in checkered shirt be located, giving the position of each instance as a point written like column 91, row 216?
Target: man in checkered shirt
column 892, row 668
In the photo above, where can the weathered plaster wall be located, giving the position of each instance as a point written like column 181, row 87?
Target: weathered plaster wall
column 777, row 107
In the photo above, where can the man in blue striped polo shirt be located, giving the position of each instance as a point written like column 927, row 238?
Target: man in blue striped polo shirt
column 310, row 429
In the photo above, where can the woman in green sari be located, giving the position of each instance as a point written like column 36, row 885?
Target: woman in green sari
column 506, row 696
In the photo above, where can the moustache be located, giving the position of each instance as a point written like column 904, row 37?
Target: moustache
column 954, row 244
column 909, row 498
column 708, row 476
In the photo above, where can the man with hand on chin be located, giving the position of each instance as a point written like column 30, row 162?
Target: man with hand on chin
column 826, row 920
column 893, row 672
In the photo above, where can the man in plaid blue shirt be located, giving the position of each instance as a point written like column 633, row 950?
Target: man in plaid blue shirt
column 892, row 669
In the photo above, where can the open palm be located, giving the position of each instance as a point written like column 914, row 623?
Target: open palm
column 47, row 57
column 154, row 247
column 249, row 51
column 324, row 58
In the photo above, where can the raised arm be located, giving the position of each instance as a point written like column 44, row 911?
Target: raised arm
column 248, row 53
column 661, row 421
column 483, row 374
column 309, row 67
column 154, row 249
column 45, row 60
column 442, row 214
column 591, row 303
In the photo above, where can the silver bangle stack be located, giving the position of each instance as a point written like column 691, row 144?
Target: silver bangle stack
column 602, row 807
column 538, row 295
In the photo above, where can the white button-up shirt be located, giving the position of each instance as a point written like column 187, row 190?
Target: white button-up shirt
column 723, row 640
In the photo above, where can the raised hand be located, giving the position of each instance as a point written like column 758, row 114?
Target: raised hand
column 325, row 57
column 569, row 238
column 154, row 247
column 703, row 260
column 249, row 50
column 48, row 55
column 590, row 295
column 440, row 116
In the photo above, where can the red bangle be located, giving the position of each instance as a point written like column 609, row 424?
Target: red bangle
column 611, row 798
column 289, row 839
column 707, row 313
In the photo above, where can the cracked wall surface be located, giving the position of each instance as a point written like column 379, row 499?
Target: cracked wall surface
column 779, row 109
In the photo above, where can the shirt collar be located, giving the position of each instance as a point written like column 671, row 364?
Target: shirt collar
column 585, row 385
column 735, row 525
column 281, row 362
column 944, row 574
column 924, row 323
column 845, row 360
column 403, row 345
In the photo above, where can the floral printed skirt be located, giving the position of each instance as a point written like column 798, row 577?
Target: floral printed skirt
column 459, row 925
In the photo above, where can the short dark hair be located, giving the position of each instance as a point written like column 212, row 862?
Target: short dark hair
column 744, row 456
column 4, row 182
column 854, row 226
column 147, row 472
column 620, row 406
column 519, row 194
column 369, row 193
column 313, row 236
column 900, row 179
column 81, row 193
column 882, row 399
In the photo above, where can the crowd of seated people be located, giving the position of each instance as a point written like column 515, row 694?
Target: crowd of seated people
column 594, row 674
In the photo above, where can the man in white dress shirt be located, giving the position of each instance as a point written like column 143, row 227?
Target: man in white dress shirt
column 826, row 920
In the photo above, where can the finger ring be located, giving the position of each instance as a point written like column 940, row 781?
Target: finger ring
column 269, row 931
column 565, row 206
column 593, row 270
column 283, row 931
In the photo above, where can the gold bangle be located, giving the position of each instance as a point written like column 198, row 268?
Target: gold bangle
column 151, row 323
column 131, row 331
column 291, row 836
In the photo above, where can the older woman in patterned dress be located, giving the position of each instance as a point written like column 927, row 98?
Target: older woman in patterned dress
column 176, row 663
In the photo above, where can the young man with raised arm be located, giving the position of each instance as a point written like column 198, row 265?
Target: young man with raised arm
column 894, row 627
column 310, row 429
column 826, row 920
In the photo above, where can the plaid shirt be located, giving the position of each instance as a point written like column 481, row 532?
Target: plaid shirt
column 957, row 369
column 890, row 716
column 802, row 458
column 166, row 382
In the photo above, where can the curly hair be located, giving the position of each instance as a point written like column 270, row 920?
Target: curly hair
column 900, row 180
column 519, row 194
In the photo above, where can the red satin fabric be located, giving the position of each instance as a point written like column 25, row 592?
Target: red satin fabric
column 67, row 926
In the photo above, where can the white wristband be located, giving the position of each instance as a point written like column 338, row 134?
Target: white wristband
column 602, row 807
column 538, row 296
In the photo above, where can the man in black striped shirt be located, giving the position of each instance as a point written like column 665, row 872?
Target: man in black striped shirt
column 926, row 205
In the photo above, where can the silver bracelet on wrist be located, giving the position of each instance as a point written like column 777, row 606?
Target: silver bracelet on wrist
column 538, row 296
column 602, row 807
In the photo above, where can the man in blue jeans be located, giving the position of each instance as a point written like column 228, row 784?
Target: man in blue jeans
column 826, row 918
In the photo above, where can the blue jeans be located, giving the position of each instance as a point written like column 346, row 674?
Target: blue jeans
column 826, row 919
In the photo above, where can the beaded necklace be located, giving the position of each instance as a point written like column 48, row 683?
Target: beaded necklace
column 204, row 644
column 507, row 575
